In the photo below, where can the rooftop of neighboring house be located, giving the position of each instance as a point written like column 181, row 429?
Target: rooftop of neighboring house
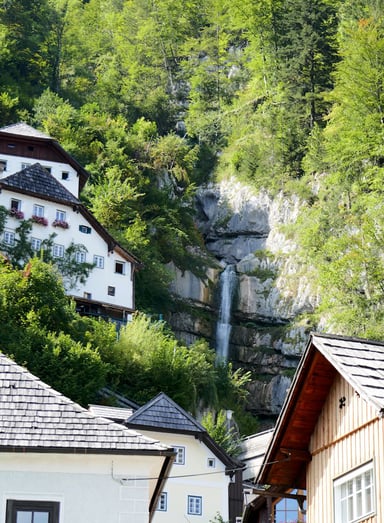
column 360, row 362
column 36, row 418
column 162, row 414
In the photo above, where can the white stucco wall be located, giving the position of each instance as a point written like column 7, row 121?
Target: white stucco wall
column 194, row 478
column 99, row 279
column 89, row 488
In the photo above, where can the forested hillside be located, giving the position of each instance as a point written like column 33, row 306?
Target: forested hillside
column 156, row 97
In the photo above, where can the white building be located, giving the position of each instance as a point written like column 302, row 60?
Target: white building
column 61, row 464
column 41, row 182
column 204, row 481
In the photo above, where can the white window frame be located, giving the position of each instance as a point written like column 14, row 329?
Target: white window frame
column 9, row 238
column 61, row 216
column 58, row 250
column 195, row 505
column 80, row 256
column 36, row 244
column 180, row 455
column 354, row 494
column 38, row 210
column 162, row 504
column 98, row 261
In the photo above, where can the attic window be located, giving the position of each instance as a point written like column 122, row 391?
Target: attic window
column 85, row 229
column 111, row 291
column 64, row 175
column 3, row 166
column 119, row 267
column 180, row 455
column 211, row 463
column 47, row 168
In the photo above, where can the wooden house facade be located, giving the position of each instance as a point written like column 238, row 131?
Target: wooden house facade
column 329, row 438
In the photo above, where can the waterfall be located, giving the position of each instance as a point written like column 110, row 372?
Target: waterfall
column 223, row 329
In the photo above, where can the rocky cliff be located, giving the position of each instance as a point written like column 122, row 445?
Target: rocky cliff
column 272, row 300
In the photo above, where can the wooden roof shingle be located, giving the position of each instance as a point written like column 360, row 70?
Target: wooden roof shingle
column 36, row 418
column 35, row 180
column 163, row 413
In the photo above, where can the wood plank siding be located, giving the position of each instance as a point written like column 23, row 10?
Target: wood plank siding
column 348, row 434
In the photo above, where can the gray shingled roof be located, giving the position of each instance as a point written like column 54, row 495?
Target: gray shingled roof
column 34, row 179
column 162, row 412
column 24, row 130
column 36, row 418
column 360, row 362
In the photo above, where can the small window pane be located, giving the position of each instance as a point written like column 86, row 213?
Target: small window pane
column 23, row 516
column 58, row 251
column 98, row 261
column 119, row 267
column 80, row 257
column 111, row 291
column 41, row 517
column 9, row 238
column 60, row 216
column 38, row 210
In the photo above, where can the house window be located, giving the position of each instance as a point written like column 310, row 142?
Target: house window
column 25, row 165
column 32, row 511
column 119, row 267
column 64, row 175
column 180, row 455
column 36, row 244
column 354, row 495
column 85, row 229
column 111, row 291
column 3, row 166
column 58, row 250
column 47, row 168
column 288, row 509
column 211, row 463
column 87, row 295
column 162, row 504
column 38, row 210
column 9, row 238
column 80, row 256
column 60, row 216
column 15, row 205
column 195, row 505
column 98, row 261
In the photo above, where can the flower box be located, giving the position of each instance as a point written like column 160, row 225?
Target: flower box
column 39, row 219
column 60, row 223
column 15, row 213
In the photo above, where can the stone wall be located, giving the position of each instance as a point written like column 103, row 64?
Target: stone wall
column 274, row 298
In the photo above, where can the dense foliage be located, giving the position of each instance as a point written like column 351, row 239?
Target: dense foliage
column 78, row 356
column 155, row 97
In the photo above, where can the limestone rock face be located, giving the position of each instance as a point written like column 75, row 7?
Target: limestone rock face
column 274, row 297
